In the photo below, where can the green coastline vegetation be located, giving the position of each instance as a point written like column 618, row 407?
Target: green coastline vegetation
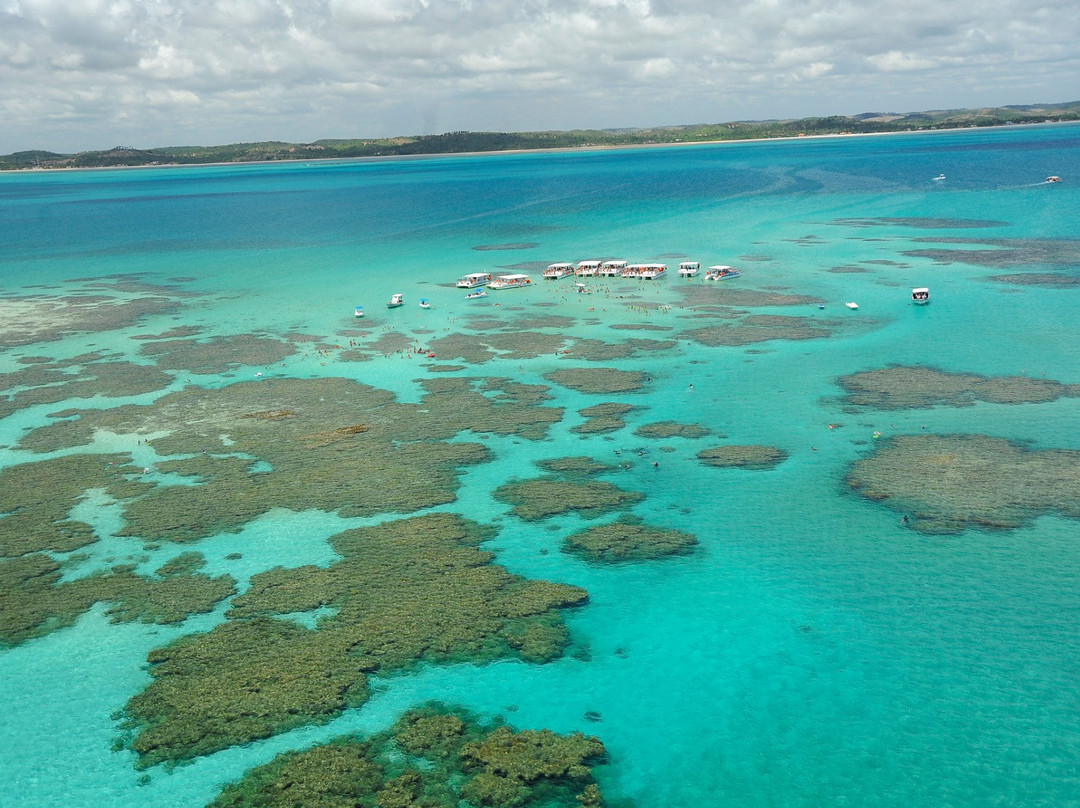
column 468, row 142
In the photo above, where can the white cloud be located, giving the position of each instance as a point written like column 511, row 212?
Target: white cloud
column 88, row 73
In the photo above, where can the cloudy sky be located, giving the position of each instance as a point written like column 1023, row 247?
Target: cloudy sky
column 90, row 74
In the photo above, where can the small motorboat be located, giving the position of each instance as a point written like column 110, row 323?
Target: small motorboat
column 939, row 178
column 920, row 296
column 1053, row 178
column 424, row 304
column 852, row 305
column 582, row 289
column 475, row 295
column 395, row 301
column 359, row 312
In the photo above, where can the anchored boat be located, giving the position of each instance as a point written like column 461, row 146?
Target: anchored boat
column 474, row 279
column 721, row 272
column 920, row 296
column 556, row 271
column 395, row 301
column 510, row 281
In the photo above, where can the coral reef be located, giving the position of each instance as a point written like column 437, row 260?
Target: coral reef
column 901, row 387
column 36, row 602
column 628, row 540
column 540, row 498
column 671, row 429
column 753, row 457
column 331, row 444
column 601, row 418
column 432, row 758
column 598, row 380
column 759, row 328
column 218, row 354
column 404, row 591
column 946, row 483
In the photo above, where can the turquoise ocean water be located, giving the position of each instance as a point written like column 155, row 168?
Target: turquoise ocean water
column 813, row 651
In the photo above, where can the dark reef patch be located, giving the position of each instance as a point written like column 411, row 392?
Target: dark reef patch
column 946, row 483
column 434, row 757
column 515, row 245
column 218, row 354
column 598, row 380
column 901, row 387
column 404, row 591
column 536, row 499
column 331, row 444
column 671, row 429
column 922, row 223
column 753, row 457
column 602, row 418
column 628, row 540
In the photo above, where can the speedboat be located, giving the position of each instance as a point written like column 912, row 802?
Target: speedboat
column 721, row 272
column 939, row 178
column 476, row 294
column 1053, row 178
column 424, row 304
column 852, row 305
column 920, row 296
column 359, row 311
column 688, row 269
column 474, row 279
column 395, row 301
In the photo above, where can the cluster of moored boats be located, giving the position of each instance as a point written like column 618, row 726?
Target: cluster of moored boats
column 477, row 281
column 596, row 269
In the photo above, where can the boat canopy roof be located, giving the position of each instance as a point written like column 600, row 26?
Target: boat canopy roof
column 514, row 277
column 690, row 265
column 559, row 266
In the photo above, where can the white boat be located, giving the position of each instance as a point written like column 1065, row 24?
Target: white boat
column 648, row 272
column 1053, row 178
column 852, row 305
column 920, row 296
column 721, row 272
column 688, row 269
column 474, row 279
column 556, row 271
column 424, row 304
column 510, row 281
column 582, row 289
column 939, row 178
column 359, row 311
column 612, row 269
column 587, row 269
column 475, row 295
column 395, row 301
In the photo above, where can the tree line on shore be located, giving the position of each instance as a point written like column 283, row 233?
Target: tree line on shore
column 463, row 142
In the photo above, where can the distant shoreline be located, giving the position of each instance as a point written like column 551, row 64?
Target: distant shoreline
column 149, row 159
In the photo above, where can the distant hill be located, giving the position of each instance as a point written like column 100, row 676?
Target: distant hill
column 460, row 142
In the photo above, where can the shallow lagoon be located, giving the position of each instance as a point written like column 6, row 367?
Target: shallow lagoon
column 812, row 649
